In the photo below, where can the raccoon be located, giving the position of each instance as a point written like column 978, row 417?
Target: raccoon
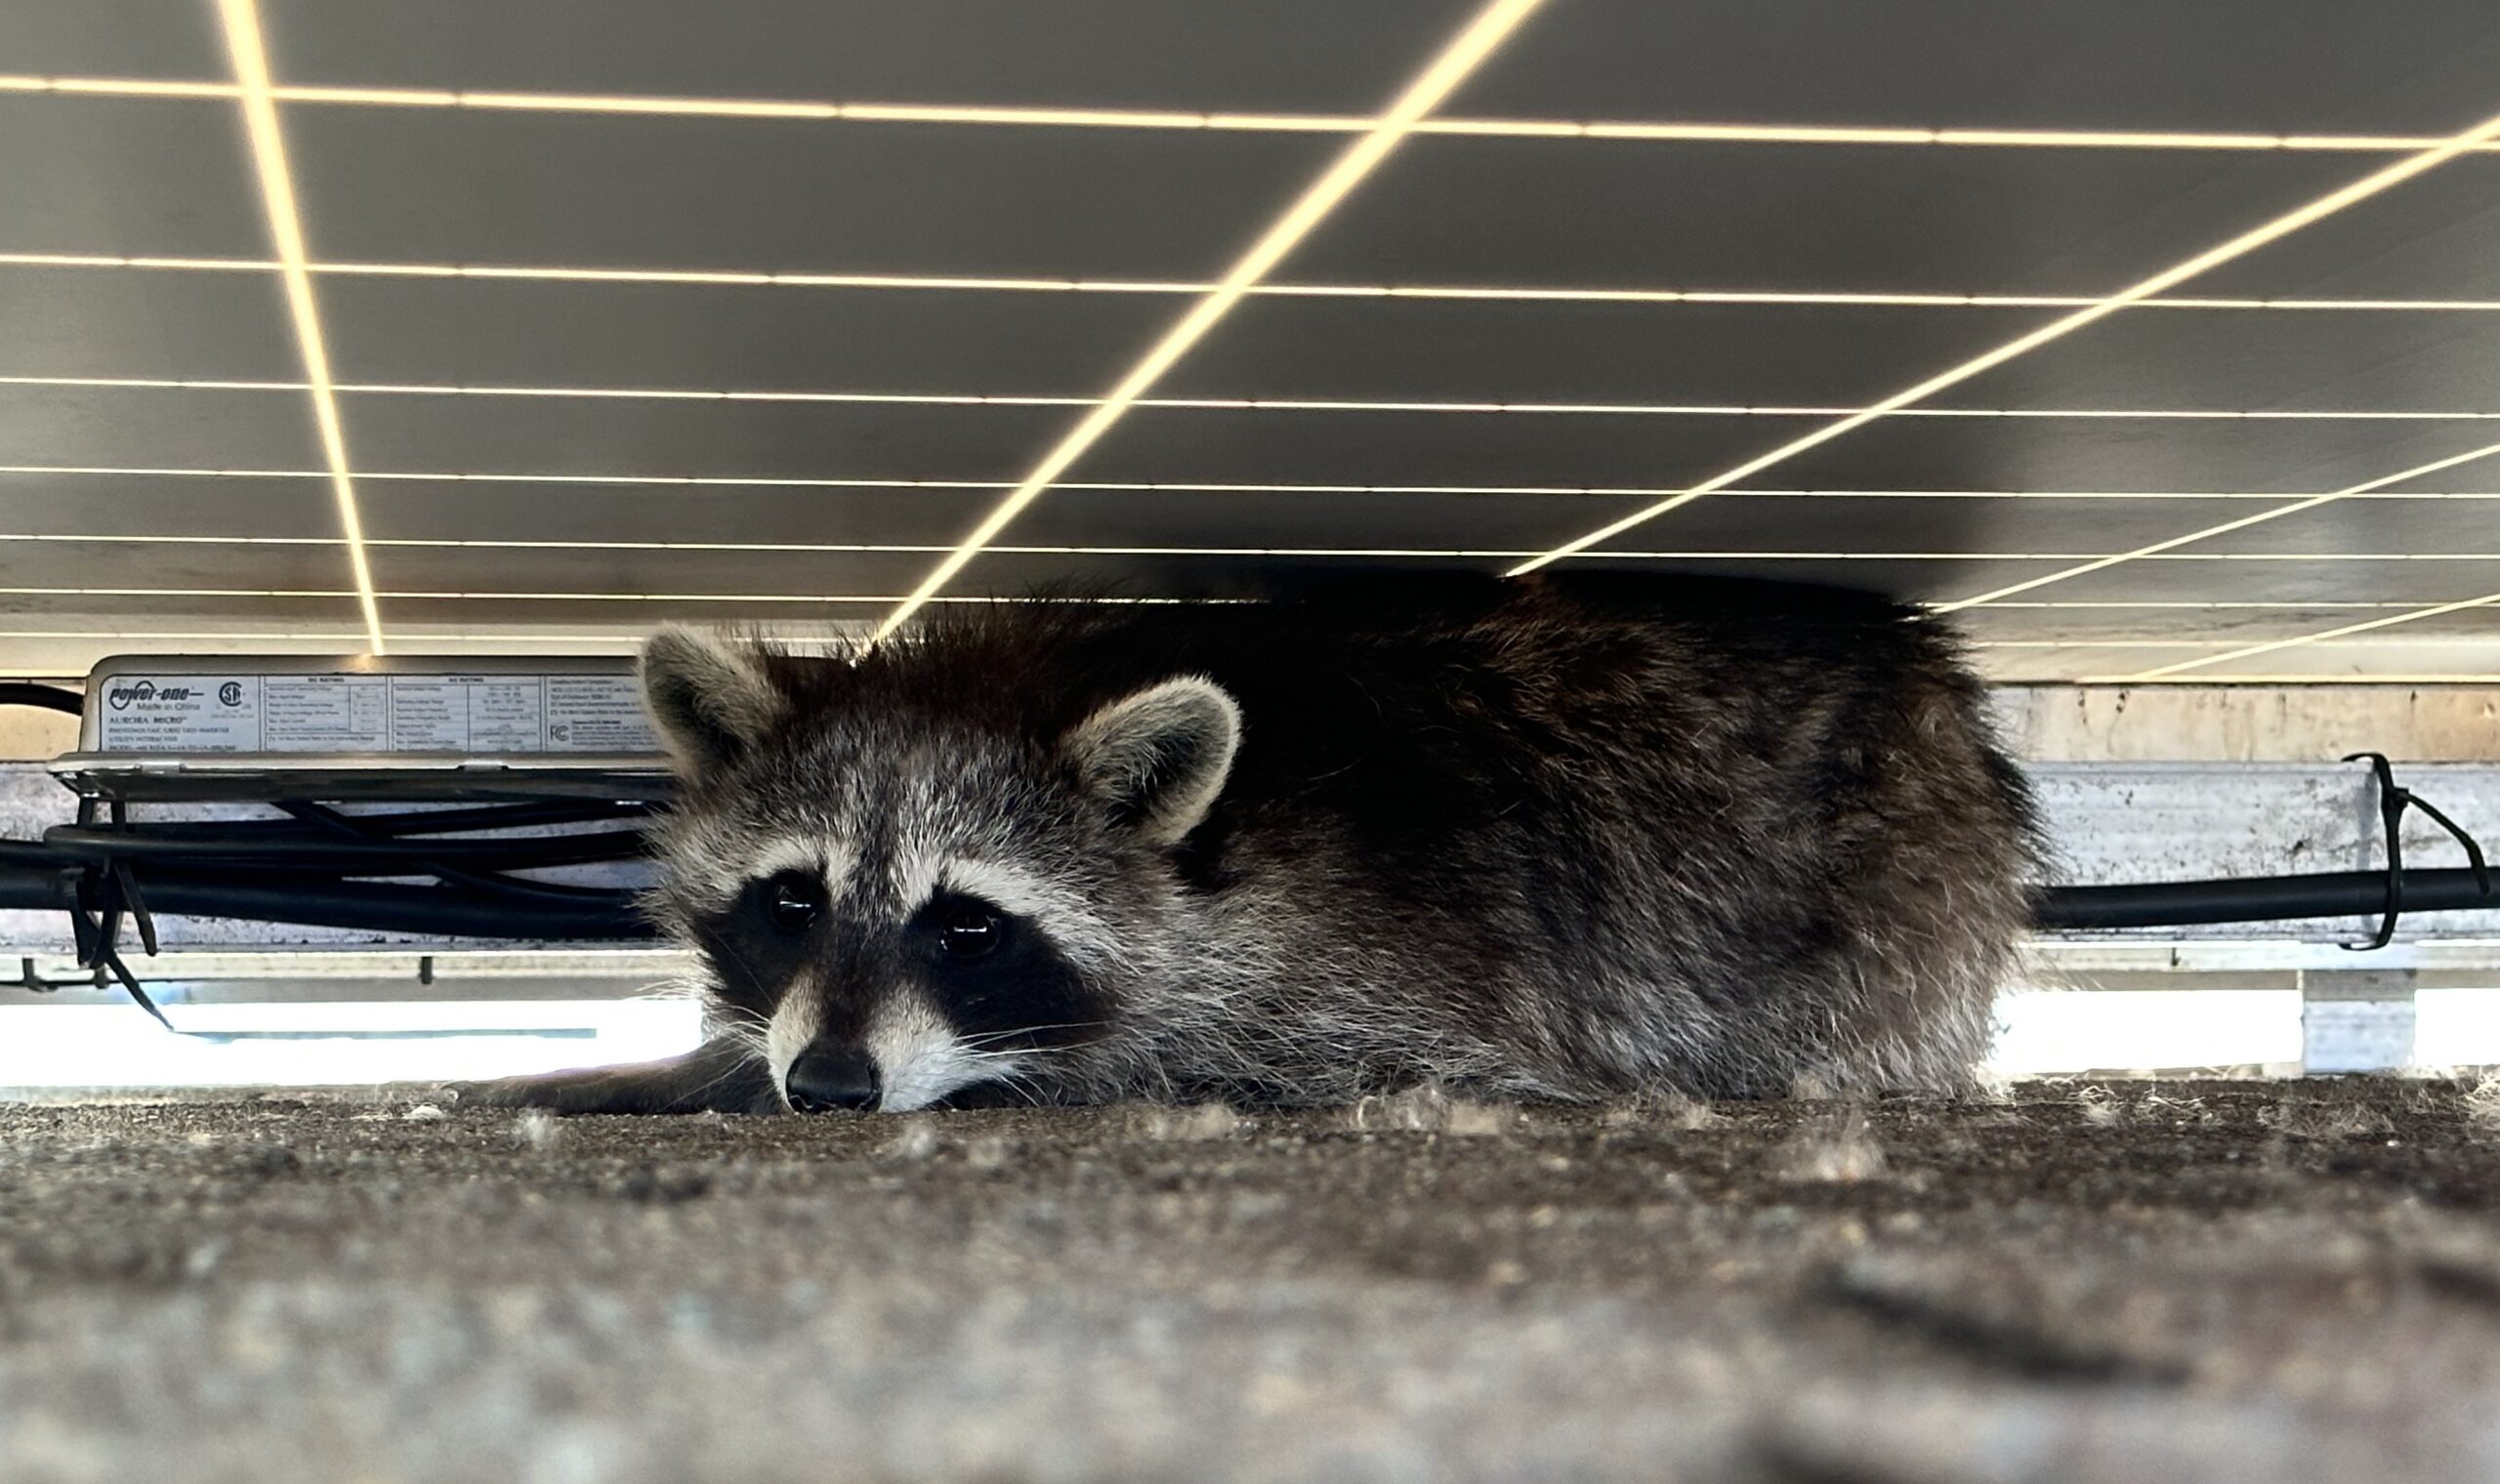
column 1564, row 838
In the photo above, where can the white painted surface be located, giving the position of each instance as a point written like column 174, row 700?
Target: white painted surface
column 2049, row 1032
column 300, row 1045
column 295, row 1043
column 2457, row 1027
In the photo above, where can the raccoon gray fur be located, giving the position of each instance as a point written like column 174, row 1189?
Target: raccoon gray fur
column 1564, row 838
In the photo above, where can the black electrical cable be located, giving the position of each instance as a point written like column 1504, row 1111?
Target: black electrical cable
column 331, row 868
column 312, row 900
column 346, row 826
column 372, row 906
column 502, row 816
column 49, row 697
column 360, row 856
column 2255, row 899
column 399, row 824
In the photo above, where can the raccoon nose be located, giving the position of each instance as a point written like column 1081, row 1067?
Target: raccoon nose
column 830, row 1080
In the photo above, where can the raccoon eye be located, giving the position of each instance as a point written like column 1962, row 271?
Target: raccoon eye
column 797, row 901
column 970, row 931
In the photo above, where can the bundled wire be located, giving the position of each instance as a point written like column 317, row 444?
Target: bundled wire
column 439, row 873
column 449, row 872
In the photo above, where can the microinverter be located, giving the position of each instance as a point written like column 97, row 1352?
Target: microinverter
column 233, row 726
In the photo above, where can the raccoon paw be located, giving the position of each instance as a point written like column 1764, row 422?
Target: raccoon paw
column 559, row 1092
column 716, row 1079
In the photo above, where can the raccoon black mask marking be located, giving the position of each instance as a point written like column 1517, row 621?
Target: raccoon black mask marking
column 1563, row 838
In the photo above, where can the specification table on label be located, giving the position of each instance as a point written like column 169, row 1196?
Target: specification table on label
column 435, row 713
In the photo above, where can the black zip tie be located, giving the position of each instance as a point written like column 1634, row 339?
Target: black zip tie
column 72, row 887
column 99, row 888
column 115, row 887
column 108, row 911
column 2393, row 801
column 130, row 984
column 140, row 918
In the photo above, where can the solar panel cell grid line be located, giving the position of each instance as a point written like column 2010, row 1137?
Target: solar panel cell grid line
column 1690, row 555
column 1529, row 408
column 709, row 442
column 1603, row 293
column 2119, row 611
column 830, row 482
column 1269, row 121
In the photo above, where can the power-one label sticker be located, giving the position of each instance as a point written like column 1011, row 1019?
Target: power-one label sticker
column 441, row 712
column 191, row 713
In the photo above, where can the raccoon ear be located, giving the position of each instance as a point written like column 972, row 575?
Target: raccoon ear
column 1159, row 757
column 708, row 692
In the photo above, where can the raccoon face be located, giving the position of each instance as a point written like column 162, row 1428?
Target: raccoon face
column 902, row 911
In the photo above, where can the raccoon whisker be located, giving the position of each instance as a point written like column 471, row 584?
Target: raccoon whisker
column 996, row 1058
column 676, row 988
column 1019, row 1054
column 1028, row 1053
column 743, row 1023
column 747, row 972
column 1021, row 1083
column 991, row 1037
column 723, row 1075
